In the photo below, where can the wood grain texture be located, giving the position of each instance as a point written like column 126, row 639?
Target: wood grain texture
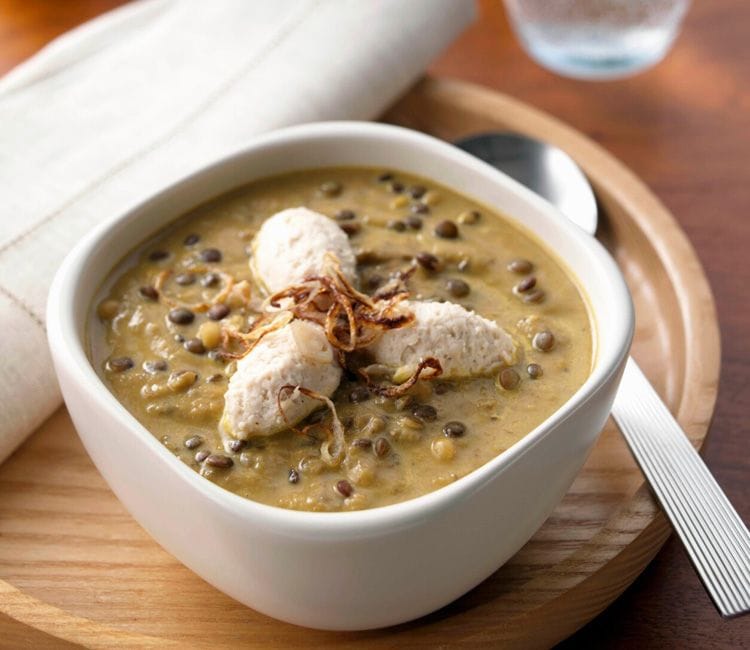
column 682, row 127
column 76, row 567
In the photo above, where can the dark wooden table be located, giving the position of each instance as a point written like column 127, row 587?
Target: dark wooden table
column 684, row 127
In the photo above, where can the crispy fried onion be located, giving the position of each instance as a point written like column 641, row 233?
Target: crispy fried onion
column 429, row 363
column 246, row 341
column 333, row 449
column 351, row 319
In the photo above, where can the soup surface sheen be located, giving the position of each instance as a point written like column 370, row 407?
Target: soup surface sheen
column 172, row 376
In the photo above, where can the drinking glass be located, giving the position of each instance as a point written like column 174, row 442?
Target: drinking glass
column 596, row 39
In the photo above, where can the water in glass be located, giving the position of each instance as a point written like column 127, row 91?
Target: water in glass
column 597, row 39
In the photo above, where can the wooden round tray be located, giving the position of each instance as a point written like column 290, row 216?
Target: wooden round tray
column 75, row 567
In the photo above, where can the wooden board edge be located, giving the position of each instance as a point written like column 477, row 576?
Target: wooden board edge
column 49, row 626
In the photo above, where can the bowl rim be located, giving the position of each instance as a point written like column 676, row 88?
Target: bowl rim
column 68, row 348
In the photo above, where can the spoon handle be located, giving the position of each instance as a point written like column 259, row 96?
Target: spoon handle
column 715, row 537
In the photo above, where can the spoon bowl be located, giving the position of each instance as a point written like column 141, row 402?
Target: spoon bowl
column 543, row 168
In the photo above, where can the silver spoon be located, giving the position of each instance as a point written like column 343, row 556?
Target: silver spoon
column 716, row 539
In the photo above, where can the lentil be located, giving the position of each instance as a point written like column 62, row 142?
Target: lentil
column 350, row 229
column 202, row 455
column 108, row 309
column 219, row 461
column 535, row 296
column 410, row 422
column 193, row 442
column 447, row 230
column 195, row 345
column 381, row 447
column 414, row 222
column 509, row 379
column 363, row 443
column 443, row 449
column 375, row 424
column 454, row 429
column 428, row 261
column 181, row 316
column 293, row 475
column 209, row 334
column 156, row 256
column 529, row 282
column 211, row 255
column 543, row 341
column 330, row 188
column 397, row 225
column 420, row 208
column 469, row 217
column 218, row 311
column 180, row 380
column 149, row 292
column 520, row 266
column 385, row 176
column 210, row 279
column 401, row 374
column 345, row 215
column 425, row 412
column 457, row 288
column 192, row 239
column 237, row 446
column 399, row 202
column 344, row 488
column 152, row 367
column 534, row 370
column 416, row 191
column 395, row 187
column 119, row 364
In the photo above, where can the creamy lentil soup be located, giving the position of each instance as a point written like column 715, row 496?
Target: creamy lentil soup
column 157, row 338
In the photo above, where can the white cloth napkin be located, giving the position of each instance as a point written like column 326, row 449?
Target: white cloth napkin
column 141, row 96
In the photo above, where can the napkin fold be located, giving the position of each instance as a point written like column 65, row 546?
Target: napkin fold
column 132, row 101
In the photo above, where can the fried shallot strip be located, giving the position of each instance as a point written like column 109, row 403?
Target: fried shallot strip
column 430, row 363
column 332, row 457
column 350, row 318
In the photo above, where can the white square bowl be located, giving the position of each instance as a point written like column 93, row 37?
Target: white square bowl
column 350, row 570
